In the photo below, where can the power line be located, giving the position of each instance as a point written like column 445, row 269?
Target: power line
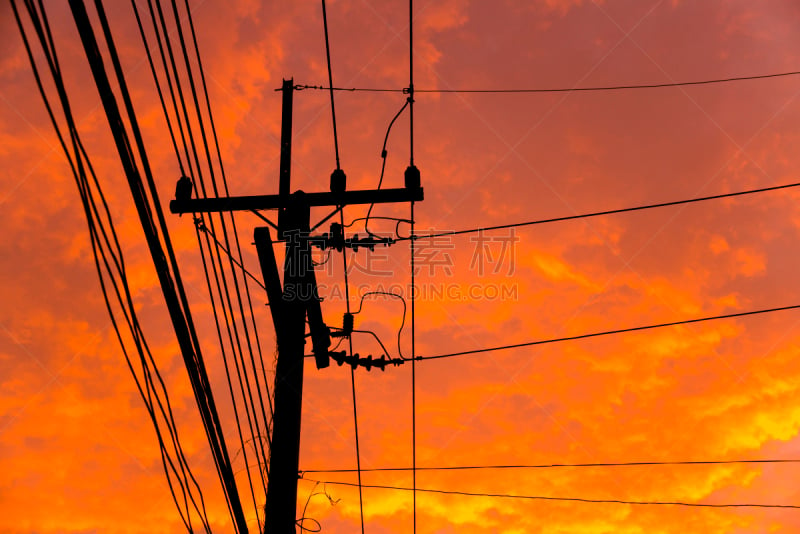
column 607, row 332
column 529, row 90
column 402, row 322
column 384, row 153
column 330, row 82
column 597, row 213
column 409, row 174
column 203, row 228
column 172, row 91
column 238, row 246
column 563, row 499
column 102, row 246
column 229, row 320
column 194, row 153
column 547, row 466
column 337, row 181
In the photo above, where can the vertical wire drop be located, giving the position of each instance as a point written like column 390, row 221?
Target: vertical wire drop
column 413, row 322
column 411, row 79
column 344, row 263
column 353, row 384
column 413, row 377
column 330, row 82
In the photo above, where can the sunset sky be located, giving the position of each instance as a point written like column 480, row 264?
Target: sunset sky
column 78, row 453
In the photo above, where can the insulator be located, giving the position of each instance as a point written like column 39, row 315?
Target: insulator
column 381, row 362
column 337, row 236
column 338, row 357
column 412, row 177
column 367, row 362
column 338, row 181
column 183, row 189
column 347, row 323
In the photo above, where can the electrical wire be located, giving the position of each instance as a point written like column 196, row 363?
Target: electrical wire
column 413, row 237
column 402, row 323
column 138, row 139
column 344, row 264
column 323, row 262
column 194, row 152
column 330, row 83
column 597, row 213
column 241, row 370
column 608, row 332
column 312, row 494
column 193, row 155
column 413, row 274
column 203, row 228
column 384, row 153
column 396, row 219
column 353, row 381
column 414, row 359
column 102, row 248
column 547, row 466
column 566, row 499
column 556, row 89
column 172, row 91
column 130, row 319
column 374, row 335
column 235, row 238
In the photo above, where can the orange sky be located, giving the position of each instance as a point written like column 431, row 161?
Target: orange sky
column 77, row 452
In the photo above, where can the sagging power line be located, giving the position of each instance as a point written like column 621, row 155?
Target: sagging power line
column 596, row 213
column 607, row 333
column 529, row 90
column 559, row 499
column 551, row 466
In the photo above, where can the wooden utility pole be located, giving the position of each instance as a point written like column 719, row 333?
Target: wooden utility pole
column 291, row 305
column 285, row 454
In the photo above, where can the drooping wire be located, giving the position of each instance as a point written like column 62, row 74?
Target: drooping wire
column 93, row 55
column 597, row 213
column 375, row 336
column 300, row 522
column 203, row 228
column 402, row 323
column 383, row 164
column 135, row 130
column 548, row 466
column 101, row 249
column 200, row 186
column 189, row 153
column 178, row 121
column 567, row 499
column 242, row 373
column 395, row 219
column 607, row 332
column 235, row 233
column 322, row 262
column 557, row 89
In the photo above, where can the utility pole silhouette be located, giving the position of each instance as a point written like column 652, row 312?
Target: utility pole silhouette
column 297, row 300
